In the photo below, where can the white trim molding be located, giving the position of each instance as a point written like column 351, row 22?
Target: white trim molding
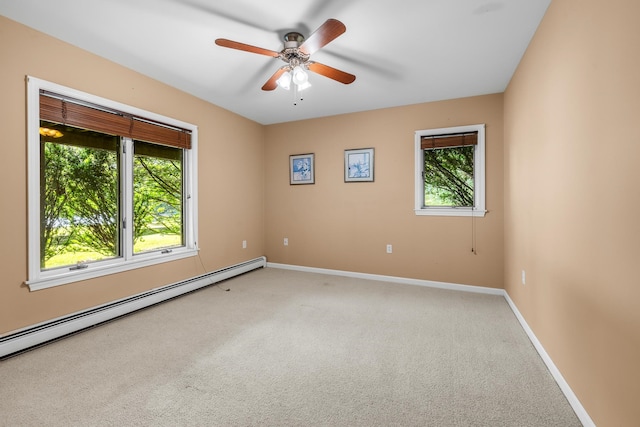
column 582, row 414
column 394, row 279
column 39, row 278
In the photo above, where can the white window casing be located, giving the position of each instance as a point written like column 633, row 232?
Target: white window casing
column 478, row 210
column 41, row 279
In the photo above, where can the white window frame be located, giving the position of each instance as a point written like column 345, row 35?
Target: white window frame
column 478, row 209
column 42, row 279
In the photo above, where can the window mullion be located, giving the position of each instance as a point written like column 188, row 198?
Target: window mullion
column 187, row 191
column 126, row 192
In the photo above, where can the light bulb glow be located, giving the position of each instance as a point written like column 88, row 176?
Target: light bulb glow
column 284, row 81
column 53, row 133
column 299, row 75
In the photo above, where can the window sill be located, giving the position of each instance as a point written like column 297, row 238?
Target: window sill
column 478, row 213
column 59, row 277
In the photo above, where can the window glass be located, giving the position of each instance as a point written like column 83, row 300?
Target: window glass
column 449, row 177
column 79, row 196
column 157, row 197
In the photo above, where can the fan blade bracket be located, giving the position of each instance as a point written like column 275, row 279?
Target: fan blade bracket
column 293, row 54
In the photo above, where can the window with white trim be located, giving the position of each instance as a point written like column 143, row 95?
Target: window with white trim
column 111, row 187
column 450, row 171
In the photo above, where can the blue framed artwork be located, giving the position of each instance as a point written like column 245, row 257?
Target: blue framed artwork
column 358, row 165
column 301, row 169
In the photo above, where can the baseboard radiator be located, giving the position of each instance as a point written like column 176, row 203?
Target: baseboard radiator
column 44, row 332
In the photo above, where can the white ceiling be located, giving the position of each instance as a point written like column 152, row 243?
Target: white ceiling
column 402, row 51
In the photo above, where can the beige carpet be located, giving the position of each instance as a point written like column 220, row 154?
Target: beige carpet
column 284, row 348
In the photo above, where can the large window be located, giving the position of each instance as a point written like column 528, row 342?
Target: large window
column 450, row 171
column 111, row 187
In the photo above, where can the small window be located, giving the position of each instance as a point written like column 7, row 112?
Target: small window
column 450, row 171
column 111, row 187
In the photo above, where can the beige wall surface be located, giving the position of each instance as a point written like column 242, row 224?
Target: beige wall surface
column 231, row 205
column 346, row 226
column 572, row 150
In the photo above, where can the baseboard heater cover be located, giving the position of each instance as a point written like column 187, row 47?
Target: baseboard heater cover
column 43, row 332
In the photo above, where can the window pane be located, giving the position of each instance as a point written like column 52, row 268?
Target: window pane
column 79, row 196
column 157, row 197
column 448, row 177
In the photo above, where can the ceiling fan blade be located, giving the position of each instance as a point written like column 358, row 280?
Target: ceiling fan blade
column 246, row 47
column 332, row 73
column 327, row 32
column 272, row 83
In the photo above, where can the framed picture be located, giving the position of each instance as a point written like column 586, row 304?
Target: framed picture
column 301, row 169
column 358, row 165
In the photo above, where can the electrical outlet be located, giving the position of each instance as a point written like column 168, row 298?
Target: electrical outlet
column 286, row 241
column 389, row 249
column 244, row 244
column 524, row 278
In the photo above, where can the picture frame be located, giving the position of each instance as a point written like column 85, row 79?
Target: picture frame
column 302, row 169
column 359, row 165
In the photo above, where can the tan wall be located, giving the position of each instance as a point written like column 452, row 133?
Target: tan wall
column 346, row 226
column 568, row 164
column 231, row 204
column 572, row 152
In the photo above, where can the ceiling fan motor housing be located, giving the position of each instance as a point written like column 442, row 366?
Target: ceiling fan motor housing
column 291, row 54
column 293, row 39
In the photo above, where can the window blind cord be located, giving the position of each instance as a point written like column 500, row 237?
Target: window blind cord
column 473, row 232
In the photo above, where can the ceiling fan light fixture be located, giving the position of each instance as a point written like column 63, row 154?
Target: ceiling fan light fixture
column 299, row 75
column 303, row 86
column 284, row 81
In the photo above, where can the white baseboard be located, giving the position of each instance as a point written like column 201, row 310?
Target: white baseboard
column 394, row 279
column 581, row 413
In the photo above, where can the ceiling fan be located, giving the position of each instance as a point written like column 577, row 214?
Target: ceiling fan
column 296, row 53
